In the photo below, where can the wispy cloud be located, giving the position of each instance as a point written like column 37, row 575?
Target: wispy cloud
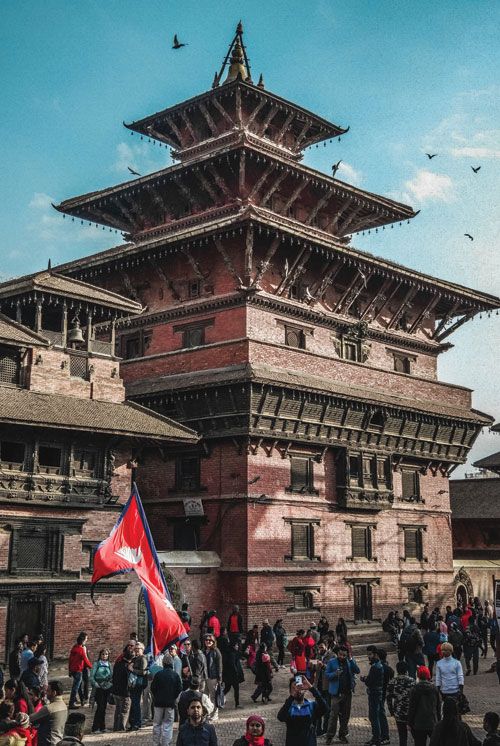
column 469, row 152
column 49, row 226
column 41, row 201
column 142, row 157
column 350, row 174
column 427, row 186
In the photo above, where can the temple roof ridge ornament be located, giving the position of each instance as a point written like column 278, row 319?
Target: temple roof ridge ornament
column 236, row 60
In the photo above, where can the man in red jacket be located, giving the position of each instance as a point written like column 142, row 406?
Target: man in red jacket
column 78, row 662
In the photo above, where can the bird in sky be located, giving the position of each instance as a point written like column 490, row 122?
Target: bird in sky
column 430, row 156
column 335, row 168
column 177, row 44
column 469, row 236
column 135, row 173
column 476, row 169
column 254, row 480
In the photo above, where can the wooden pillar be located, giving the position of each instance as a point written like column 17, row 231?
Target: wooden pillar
column 64, row 325
column 89, row 331
column 38, row 316
column 19, row 316
column 113, row 335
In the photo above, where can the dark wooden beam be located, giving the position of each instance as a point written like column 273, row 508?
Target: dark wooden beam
column 346, row 224
column 239, row 116
column 388, row 299
column 194, row 264
column 220, row 181
column 446, row 333
column 273, row 187
column 107, row 217
column 408, row 297
column 248, row 256
column 254, row 113
column 303, row 132
column 242, row 175
column 177, row 132
column 356, row 280
column 207, row 185
column 206, row 114
column 284, row 127
column 445, row 319
column 189, row 126
column 187, row 194
column 357, row 291
column 170, row 285
column 261, row 180
column 322, row 286
column 298, row 268
column 223, row 112
column 227, row 260
column 424, row 313
column 268, row 119
column 294, row 196
column 319, row 206
column 264, row 264
column 331, row 225
column 375, row 299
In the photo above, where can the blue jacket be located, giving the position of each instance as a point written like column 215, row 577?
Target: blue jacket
column 333, row 678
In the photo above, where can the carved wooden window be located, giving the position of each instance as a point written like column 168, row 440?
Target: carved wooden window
column 136, row 345
column 49, row 459
column 89, row 548
column 187, row 473
column 361, row 542
column 410, row 489
column 194, row 288
column 413, row 544
column 377, row 421
column 194, row 337
column 402, row 363
column 350, row 351
column 84, row 462
column 10, row 365
column 302, row 535
column 12, row 455
column 302, row 475
column 78, row 366
column 295, row 337
column 303, row 600
column 369, row 470
column 354, row 470
column 36, row 549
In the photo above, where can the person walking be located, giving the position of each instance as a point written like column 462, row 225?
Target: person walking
column 232, row 671
column 165, row 690
column 214, row 672
column 281, row 640
column 472, row 644
column 339, row 673
column 196, row 731
column 450, row 731
column 101, row 680
column 254, row 735
column 263, row 675
column 78, row 661
column 455, row 638
column 432, row 638
column 374, row 682
column 120, row 689
column 398, row 699
column 300, row 714
column 50, row 719
column 424, row 709
column 449, row 673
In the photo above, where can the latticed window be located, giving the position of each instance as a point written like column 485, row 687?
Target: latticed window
column 295, row 337
column 10, row 365
column 413, row 544
column 36, row 549
column 188, row 473
column 361, row 542
column 410, row 489
column 302, row 474
column 84, row 462
column 78, row 366
column 302, row 540
column 32, row 551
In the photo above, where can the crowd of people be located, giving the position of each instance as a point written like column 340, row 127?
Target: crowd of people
column 191, row 681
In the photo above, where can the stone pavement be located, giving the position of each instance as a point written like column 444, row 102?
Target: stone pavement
column 483, row 692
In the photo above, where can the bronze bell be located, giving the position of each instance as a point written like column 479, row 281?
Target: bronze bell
column 75, row 334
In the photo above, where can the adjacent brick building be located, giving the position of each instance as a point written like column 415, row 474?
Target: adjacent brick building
column 308, row 366
column 67, row 443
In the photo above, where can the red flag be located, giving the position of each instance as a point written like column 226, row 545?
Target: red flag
column 130, row 548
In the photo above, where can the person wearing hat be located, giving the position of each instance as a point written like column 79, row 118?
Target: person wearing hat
column 196, row 731
column 449, row 673
column 165, row 689
column 254, row 736
column 424, row 709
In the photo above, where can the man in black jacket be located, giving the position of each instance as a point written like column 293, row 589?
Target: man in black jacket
column 301, row 715
column 195, row 731
column 165, row 689
column 375, row 686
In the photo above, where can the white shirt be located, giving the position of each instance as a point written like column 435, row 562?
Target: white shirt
column 449, row 675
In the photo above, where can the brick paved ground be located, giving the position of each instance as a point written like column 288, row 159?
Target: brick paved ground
column 482, row 690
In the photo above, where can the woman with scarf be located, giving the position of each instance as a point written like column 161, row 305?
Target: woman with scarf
column 101, row 680
column 254, row 736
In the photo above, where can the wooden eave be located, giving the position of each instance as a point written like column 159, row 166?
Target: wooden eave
column 125, row 205
column 322, row 128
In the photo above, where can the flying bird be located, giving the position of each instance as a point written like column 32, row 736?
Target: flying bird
column 478, row 168
column 430, row 156
column 135, row 173
column 177, row 44
column 255, row 479
column 469, row 236
column 335, row 168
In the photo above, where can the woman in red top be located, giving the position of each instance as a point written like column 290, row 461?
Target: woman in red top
column 78, row 661
column 297, row 647
column 213, row 623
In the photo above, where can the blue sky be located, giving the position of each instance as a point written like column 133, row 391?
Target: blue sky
column 407, row 77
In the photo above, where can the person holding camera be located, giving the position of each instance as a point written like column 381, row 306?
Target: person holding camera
column 300, row 714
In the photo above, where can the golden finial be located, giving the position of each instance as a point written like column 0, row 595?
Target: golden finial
column 236, row 59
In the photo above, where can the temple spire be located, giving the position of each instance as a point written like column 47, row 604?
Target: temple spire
column 236, row 60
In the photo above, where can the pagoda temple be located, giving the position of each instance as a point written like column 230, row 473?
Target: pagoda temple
column 309, row 367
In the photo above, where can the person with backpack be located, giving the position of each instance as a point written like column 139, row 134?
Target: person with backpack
column 398, row 699
column 300, row 714
column 472, row 644
column 101, row 680
column 424, row 709
column 432, row 638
